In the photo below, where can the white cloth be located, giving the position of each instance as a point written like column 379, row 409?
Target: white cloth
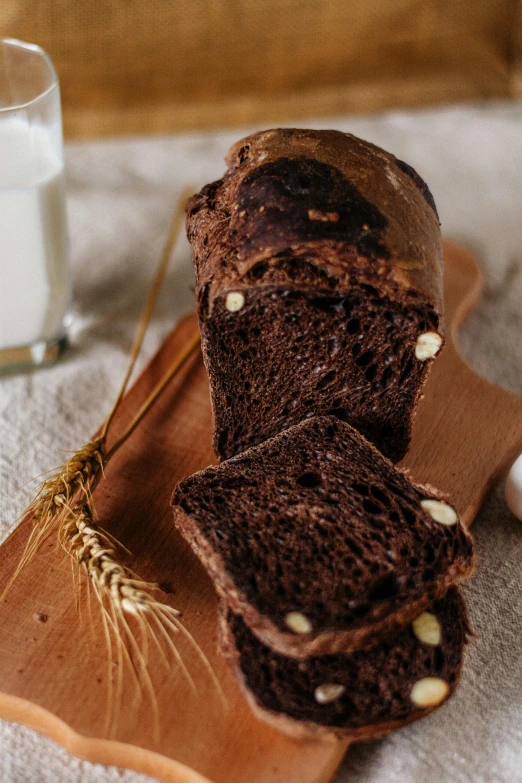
column 121, row 195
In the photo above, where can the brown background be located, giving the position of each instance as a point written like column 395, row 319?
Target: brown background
column 141, row 66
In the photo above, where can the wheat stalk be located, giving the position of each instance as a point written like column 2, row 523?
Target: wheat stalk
column 61, row 492
column 122, row 593
column 64, row 504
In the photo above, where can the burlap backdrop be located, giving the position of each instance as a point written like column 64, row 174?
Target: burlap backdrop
column 130, row 66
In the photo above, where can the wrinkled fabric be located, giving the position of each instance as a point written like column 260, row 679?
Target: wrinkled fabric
column 120, row 197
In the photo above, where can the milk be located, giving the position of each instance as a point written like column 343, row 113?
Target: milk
column 34, row 280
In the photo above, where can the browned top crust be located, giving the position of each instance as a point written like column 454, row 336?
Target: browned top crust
column 346, row 206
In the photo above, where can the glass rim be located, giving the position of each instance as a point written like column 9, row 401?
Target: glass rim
column 15, row 42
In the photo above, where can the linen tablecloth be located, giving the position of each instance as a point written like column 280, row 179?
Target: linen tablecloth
column 120, row 199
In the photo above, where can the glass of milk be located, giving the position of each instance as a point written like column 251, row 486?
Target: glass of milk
column 35, row 287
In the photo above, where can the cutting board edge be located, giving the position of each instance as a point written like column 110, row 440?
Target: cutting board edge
column 121, row 754
column 93, row 749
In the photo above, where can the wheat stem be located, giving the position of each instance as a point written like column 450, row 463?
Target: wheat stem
column 175, row 226
column 157, row 391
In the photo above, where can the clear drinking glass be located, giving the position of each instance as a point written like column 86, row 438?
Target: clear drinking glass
column 35, row 286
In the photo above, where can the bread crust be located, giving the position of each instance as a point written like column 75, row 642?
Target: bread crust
column 394, row 234
column 305, row 729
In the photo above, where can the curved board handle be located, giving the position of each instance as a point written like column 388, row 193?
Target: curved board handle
column 467, row 431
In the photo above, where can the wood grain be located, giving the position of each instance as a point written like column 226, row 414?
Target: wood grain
column 54, row 674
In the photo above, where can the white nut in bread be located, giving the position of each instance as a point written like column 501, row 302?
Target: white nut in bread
column 428, row 345
column 328, row 692
column 234, row 301
column 513, row 488
column 429, row 692
column 440, row 511
column 298, row 623
column 427, row 629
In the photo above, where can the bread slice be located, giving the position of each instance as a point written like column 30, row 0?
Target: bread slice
column 319, row 541
column 319, row 287
column 358, row 696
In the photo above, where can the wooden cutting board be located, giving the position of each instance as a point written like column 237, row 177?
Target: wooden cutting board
column 53, row 674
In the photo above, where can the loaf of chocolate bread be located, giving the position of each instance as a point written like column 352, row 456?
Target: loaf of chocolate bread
column 358, row 696
column 319, row 287
column 318, row 541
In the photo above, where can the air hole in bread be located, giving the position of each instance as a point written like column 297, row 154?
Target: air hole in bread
column 428, row 553
column 371, row 372
column 243, row 153
column 438, row 658
column 371, row 507
column 386, row 377
column 309, row 480
column 409, row 516
column 407, row 371
column 361, row 489
column 379, row 495
column 365, row 358
column 326, row 380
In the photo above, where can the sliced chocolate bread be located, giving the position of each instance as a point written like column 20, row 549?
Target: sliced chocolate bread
column 319, row 541
column 358, row 696
column 319, row 287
